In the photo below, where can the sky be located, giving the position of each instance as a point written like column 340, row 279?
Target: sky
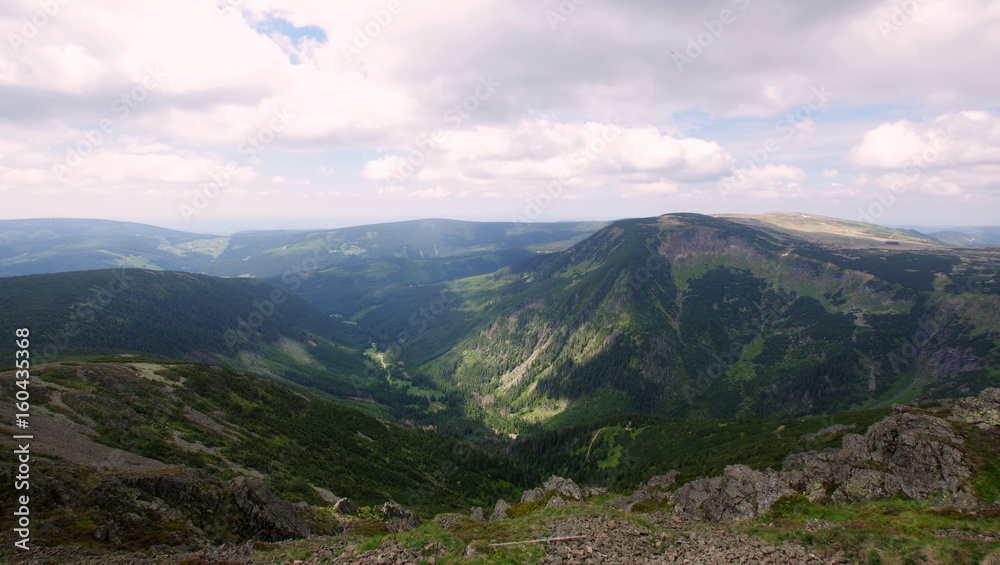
column 215, row 115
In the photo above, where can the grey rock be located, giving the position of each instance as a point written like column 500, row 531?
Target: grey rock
column 556, row 502
column 478, row 514
column 982, row 409
column 532, row 495
column 346, row 506
column 739, row 493
column 500, row 510
column 399, row 519
column 565, row 487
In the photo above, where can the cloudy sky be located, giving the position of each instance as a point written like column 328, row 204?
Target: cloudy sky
column 217, row 114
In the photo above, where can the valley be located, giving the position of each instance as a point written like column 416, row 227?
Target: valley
column 442, row 366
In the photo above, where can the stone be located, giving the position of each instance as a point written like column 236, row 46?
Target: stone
column 399, row 519
column 478, row 514
column 739, row 493
column 565, row 487
column 982, row 409
column 500, row 510
column 556, row 502
column 346, row 506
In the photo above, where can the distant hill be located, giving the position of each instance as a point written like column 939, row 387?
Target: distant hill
column 243, row 323
column 971, row 237
column 444, row 248
column 827, row 230
column 60, row 245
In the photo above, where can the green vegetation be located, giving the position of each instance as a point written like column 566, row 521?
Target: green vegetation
column 881, row 531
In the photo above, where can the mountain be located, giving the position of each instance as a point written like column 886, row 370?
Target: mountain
column 242, row 323
column 970, row 237
column 58, row 245
column 441, row 248
column 834, row 231
column 691, row 315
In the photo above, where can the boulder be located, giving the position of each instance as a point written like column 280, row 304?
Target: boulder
column 500, row 510
column 532, row 495
column 399, row 519
column 739, row 493
column 346, row 506
column 478, row 514
column 565, row 487
column 556, row 502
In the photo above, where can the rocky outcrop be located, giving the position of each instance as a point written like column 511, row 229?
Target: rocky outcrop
column 399, row 519
column 346, row 506
column 739, row 493
column 500, row 510
column 655, row 488
column 558, row 487
column 915, row 454
column 982, row 410
column 564, row 487
column 169, row 507
column 909, row 453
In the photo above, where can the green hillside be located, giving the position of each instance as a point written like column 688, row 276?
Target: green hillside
column 689, row 315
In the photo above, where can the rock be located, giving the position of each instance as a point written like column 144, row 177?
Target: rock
column 565, row 487
column 739, row 493
column 982, row 409
column 478, row 514
column 556, row 502
column 663, row 482
column 591, row 492
column 915, row 454
column 271, row 517
column 920, row 451
column 346, row 506
column 652, row 487
column 532, row 495
column 500, row 510
column 399, row 519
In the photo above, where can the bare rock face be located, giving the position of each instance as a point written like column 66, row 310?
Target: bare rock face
column 982, row 409
column 269, row 516
column 739, row 493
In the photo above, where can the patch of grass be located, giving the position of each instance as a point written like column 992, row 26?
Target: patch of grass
column 894, row 530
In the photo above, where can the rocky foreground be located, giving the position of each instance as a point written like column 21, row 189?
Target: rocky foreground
column 913, row 481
